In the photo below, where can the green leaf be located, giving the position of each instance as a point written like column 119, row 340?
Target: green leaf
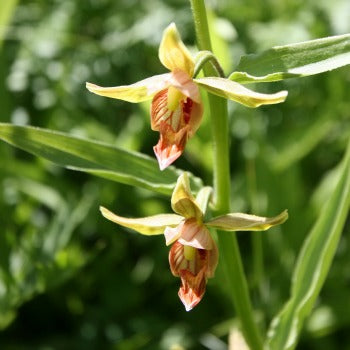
column 308, row 138
column 295, row 60
column 94, row 157
column 47, row 257
column 313, row 264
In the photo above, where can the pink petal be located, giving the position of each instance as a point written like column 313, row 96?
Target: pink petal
column 195, row 235
column 183, row 82
column 172, row 234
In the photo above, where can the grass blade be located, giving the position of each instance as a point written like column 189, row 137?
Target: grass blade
column 313, row 264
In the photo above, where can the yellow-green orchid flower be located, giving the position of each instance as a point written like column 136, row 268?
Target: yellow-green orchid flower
column 194, row 255
column 177, row 109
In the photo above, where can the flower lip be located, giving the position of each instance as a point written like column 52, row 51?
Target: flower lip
column 176, row 115
column 192, row 289
column 193, row 273
column 166, row 154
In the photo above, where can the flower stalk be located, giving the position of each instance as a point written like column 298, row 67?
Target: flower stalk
column 228, row 245
column 202, row 58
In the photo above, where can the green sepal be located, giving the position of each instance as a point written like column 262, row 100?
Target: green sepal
column 246, row 222
column 203, row 197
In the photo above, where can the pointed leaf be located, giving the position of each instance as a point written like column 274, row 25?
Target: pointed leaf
column 236, row 92
column 246, row 222
column 143, row 90
column 313, row 265
column 150, row 225
column 295, row 60
column 93, row 157
column 182, row 201
column 173, row 53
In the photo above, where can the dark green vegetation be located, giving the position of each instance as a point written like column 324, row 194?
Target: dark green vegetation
column 71, row 280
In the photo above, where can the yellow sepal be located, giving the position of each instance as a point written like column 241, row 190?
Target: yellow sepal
column 141, row 91
column 150, row 225
column 182, row 201
column 173, row 53
column 233, row 91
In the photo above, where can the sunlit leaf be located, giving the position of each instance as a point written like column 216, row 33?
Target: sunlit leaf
column 93, row 157
column 313, row 265
column 295, row 60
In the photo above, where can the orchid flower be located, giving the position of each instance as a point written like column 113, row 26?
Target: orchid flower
column 194, row 255
column 177, row 109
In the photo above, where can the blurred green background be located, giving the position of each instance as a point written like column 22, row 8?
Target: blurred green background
column 71, row 280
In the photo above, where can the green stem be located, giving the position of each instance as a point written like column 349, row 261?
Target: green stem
column 202, row 58
column 218, row 111
column 229, row 250
column 257, row 242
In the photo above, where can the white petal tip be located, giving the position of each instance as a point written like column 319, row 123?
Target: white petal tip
column 188, row 308
column 166, row 156
column 163, row 165
column 92, row 87
column 103, row 210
